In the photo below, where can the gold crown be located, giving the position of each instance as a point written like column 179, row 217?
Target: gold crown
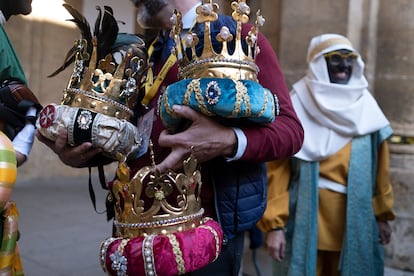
column 106, row 88
column 237, row 64
column 109, row 85
column 175, row 202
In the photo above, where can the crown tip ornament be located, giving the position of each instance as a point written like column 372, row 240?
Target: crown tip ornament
column 236, row 57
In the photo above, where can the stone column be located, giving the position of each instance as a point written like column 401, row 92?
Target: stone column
column 395, row 93
column 300, row 21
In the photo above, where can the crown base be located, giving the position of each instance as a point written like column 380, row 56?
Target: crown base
column 159, row 225
column 91, row 101
column 213, row 68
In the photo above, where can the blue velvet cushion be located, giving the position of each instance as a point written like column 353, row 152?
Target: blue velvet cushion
column 219, row 97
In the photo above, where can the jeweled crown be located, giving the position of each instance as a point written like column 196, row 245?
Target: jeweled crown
column 174, row 199
column 235, row 62
column 106, row 78
column 105, row 88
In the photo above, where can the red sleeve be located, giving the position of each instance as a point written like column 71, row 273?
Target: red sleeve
column 284, row 137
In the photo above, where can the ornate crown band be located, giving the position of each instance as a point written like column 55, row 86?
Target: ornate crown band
column 163, row 226
column 213, row 68
column 79, row 98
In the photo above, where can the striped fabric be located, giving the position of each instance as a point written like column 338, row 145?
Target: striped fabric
column 10, row 262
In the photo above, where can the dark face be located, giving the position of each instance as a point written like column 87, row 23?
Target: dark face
column 340, row 63
column 15, row 7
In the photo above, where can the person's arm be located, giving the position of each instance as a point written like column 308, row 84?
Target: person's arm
column 383, row 198
column 276, row 214
column 23, row 141
column 11, row 69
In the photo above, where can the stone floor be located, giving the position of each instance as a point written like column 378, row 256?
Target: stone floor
column 61, row 232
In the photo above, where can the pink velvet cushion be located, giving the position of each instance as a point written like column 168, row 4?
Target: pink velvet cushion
column 171, row 254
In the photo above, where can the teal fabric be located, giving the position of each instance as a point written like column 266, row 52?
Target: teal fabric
column 361, row 254
column 304, row 200
column 10, row 68
column 263, row 105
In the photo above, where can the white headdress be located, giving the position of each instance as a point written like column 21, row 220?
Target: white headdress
column 333, row 113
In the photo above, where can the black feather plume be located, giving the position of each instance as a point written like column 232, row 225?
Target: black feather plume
column 97, row 21
column 70, row 58
column 107, row 33
column 85, row 30
column 105, row 30
column 81, row 22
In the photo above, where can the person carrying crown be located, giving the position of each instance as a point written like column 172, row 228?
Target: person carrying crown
column 232, row 157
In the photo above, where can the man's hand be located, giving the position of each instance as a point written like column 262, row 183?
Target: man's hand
column 77, row 156
column 276, row 244
column 205, row 138
column 385, row 231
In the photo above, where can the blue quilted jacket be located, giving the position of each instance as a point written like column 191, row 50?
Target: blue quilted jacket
column 240, row 191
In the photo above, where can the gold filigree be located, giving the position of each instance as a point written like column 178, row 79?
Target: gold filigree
column 266, row 100
column 177, row 253
column 214, row 233
column 194, row 87
column 241, row 97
